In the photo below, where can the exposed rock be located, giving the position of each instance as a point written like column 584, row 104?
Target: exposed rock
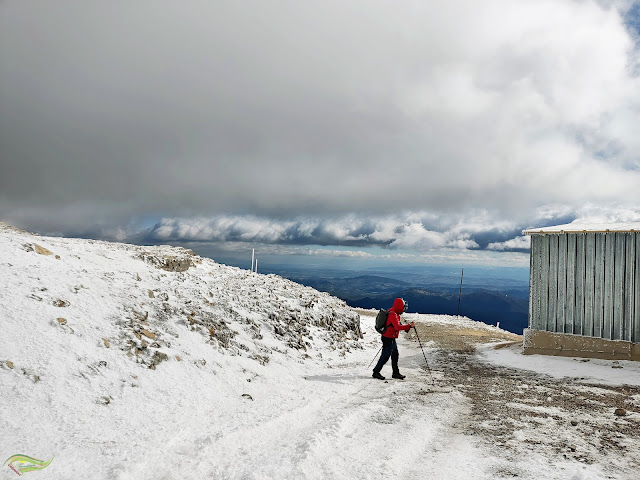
column 261, row 359
column 6, row 363
column 42, row 250
column 620, row 412
column 34, row 378
column 151, row 294
column 148, row 334
column 11, row 228
column 61, row 321
column 61, row 303
column 159, row 357
column 170, row 263
column 141, row 316
column 106, row 343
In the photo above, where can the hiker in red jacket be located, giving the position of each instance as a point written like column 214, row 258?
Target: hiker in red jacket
column 389, row 347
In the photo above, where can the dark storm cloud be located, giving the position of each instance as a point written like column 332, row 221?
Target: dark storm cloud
column 115, row 112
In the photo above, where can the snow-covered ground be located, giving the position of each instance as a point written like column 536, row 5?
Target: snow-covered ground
column 120, row 367
column 583, row 370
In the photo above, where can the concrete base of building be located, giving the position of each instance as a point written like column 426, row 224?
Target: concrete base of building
column 569, row 345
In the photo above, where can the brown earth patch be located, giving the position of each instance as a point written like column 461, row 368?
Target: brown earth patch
column 517, row 411
column 461, row 339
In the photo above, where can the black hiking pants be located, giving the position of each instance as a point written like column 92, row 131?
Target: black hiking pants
column 389, row 350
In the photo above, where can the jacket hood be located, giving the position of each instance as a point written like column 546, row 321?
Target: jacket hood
column 398, row 306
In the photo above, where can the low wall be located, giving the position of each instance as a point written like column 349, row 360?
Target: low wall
column 568, row 345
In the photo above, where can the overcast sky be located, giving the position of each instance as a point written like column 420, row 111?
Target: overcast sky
column 427, row 129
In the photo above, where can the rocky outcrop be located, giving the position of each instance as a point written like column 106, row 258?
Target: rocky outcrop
column 171, row 263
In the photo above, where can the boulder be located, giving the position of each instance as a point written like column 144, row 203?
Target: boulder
column 7, row 363
column 148, row 334
column 41, row 250
column 170, row 263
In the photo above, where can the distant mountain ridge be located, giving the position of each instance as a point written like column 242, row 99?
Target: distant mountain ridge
column 352, row 287
column 506, row 304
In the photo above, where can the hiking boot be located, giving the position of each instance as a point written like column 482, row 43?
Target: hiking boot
column 377, row 375
column 398, row 375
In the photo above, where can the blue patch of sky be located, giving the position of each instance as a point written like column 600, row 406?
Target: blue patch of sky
column 148, row 221
column 632, row 20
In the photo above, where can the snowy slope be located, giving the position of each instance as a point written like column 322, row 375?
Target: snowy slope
column 103, row 350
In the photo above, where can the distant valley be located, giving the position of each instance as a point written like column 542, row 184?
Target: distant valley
column 489, row 296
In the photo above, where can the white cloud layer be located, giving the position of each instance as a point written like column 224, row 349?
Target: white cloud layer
column 395, row 233
column 518, row 243
column 409, row 231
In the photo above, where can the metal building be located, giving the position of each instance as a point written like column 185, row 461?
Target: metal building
column 584, row 291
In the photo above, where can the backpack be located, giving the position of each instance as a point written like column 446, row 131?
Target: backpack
column 381, row 321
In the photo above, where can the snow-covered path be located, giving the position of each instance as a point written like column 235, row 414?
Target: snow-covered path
column 343, row 424
column 335, row 423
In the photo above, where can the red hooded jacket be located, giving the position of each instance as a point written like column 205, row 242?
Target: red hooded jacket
column 393, row 319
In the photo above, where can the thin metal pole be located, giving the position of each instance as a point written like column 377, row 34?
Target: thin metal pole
column 375, row 357
column 424, row 355
column 460, row 292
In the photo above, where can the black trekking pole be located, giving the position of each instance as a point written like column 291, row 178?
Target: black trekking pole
column 424, row 355
column 375, row 357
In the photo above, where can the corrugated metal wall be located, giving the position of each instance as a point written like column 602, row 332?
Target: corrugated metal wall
column 586, row 284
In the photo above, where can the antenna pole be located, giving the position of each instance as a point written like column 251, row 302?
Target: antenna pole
column 460, row 292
